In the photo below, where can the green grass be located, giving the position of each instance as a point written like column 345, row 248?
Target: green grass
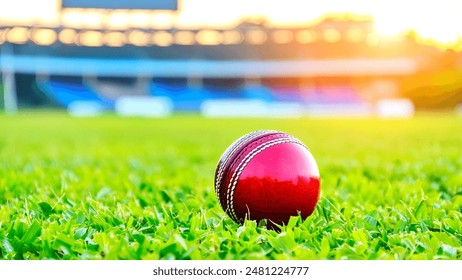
column 113, row 188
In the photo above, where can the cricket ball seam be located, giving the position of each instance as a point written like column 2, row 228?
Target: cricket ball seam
column 240, row 169
column 245, row 162
column 245, row 154
column 242, row 154
column 229, row 152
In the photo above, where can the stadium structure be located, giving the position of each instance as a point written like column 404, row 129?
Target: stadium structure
column 338, row 65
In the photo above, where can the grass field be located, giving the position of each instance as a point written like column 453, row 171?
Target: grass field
column 113, row 188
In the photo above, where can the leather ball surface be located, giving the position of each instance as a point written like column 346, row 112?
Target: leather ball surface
column 267, row 175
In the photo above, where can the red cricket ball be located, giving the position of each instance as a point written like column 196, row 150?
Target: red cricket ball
column 267, row 175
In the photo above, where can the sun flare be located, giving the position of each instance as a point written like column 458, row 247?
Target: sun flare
column 432, row 20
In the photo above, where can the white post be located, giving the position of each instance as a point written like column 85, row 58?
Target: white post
column 9, row 82
column 10, row 99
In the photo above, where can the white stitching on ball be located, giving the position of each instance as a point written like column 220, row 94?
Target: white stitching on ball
column 233, row 182
column 230, row 151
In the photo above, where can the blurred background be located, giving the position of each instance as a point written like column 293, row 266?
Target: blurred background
column 222, row 58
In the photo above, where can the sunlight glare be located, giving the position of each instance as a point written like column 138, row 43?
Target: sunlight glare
column 434, row 20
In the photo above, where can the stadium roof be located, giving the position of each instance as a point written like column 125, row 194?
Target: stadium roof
column 206, row 68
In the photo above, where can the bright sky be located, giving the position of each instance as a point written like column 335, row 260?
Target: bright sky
column 437, row 19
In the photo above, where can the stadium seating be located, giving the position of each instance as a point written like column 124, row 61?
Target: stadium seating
column 258, row 92
column 329, row 95
column 187, row 97
column 224, row 92
column 287, row 94
column 317, row 95
column 338, row 100
column 183, row 98
column 65, row 92
column 190, row 98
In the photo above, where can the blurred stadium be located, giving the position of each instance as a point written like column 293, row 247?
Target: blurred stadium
column 110, row 187
column 136, row 58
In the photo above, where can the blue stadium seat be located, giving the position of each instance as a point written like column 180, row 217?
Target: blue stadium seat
column 336, row 94
column 258, row 92
column 317, row 95
column 221, row 92
column 183, row 98
column 287, row 94
column 190, row 98
column 67, row 92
